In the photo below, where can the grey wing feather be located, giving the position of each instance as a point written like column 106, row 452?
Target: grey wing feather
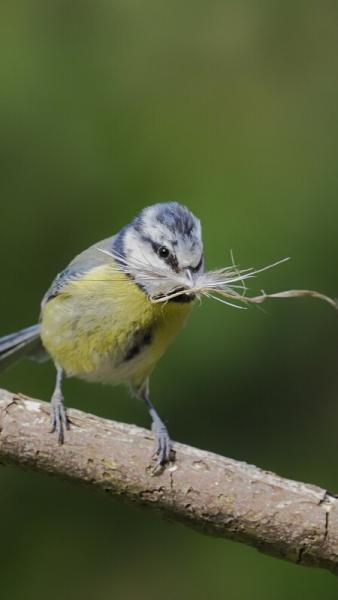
column 82, row 263
column 23, row 343
column 27, row 342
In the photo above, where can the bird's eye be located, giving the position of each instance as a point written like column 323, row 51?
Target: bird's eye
column 163, row 252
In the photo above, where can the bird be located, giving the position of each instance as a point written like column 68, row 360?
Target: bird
column 98, row 320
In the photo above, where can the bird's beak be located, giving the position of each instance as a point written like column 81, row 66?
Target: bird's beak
column 190, row 277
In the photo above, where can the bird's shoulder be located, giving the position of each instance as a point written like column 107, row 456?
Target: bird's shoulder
column 82, row 263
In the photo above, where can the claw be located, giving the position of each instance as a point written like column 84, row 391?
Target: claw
column 58, row 419
column 163, row 446
column 163, row 452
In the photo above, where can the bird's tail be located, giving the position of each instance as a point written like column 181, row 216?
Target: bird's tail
column 23, row 343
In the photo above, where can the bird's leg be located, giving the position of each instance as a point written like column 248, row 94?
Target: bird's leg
column 58, row 417
column 163, row 446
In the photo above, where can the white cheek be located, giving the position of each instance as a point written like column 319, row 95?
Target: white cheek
column 141, row 253
column 132, row 244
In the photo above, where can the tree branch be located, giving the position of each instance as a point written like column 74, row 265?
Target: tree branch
column 216, row 495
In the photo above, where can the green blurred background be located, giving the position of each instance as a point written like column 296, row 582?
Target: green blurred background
column 231, row 108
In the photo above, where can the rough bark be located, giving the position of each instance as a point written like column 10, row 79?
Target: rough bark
column 216, row 495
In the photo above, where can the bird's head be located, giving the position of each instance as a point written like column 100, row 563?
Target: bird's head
column 162, row 248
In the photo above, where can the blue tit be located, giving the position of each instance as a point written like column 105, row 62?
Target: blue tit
column 98, row 321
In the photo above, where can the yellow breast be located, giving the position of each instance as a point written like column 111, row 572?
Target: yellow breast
column 103, row 327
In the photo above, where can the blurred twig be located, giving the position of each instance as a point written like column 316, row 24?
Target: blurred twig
column 216, row 495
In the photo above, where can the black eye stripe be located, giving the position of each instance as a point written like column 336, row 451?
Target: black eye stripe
column 171, row 259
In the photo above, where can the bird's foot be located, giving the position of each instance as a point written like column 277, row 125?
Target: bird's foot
column 58, row 417
column 163, row 452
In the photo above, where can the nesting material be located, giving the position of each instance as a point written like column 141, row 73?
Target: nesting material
column 226, row 285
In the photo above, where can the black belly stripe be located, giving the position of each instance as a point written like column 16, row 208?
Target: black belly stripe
column 141, row 340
